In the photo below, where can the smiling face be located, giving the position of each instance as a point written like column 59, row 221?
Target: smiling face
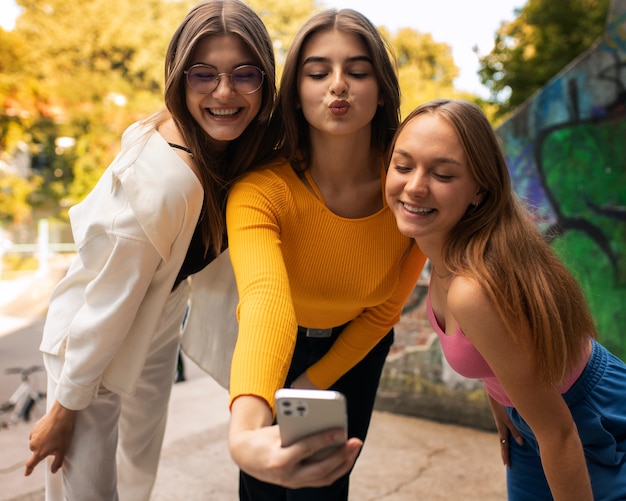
column 429, row 186
column 337, row 86
column 224, row 113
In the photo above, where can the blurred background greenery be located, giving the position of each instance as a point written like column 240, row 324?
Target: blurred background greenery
column 74, row 75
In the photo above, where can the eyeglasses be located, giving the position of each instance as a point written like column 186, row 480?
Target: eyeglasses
column 246, row 79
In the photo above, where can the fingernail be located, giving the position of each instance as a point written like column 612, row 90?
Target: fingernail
column 339, row 436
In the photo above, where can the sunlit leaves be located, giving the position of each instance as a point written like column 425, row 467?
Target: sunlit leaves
column 545, row 37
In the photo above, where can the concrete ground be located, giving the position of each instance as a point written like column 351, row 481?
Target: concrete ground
column 404, row 458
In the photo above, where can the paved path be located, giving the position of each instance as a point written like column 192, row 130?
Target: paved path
column 404, row 458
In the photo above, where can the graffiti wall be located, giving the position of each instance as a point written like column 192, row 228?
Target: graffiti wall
column 566, row 151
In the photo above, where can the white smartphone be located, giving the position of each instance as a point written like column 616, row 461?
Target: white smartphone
column 301, row 413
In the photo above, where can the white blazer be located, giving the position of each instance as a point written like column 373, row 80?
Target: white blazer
column 132, row 233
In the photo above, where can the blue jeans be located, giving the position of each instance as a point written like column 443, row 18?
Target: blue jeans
column 597, row 402
column 359, row 385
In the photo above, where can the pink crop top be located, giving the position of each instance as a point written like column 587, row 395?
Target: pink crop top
column 465, row 359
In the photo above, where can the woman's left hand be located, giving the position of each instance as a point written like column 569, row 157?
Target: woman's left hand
column 51, row 436
column 506, row 430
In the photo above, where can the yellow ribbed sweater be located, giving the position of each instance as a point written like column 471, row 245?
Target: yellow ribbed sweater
column 298, row 263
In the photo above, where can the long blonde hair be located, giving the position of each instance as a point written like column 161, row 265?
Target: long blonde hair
column 498, row 245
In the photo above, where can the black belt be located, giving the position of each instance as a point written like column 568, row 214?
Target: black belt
column 317, row 332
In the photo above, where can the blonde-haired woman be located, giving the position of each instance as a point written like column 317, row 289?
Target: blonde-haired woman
column 508, row 311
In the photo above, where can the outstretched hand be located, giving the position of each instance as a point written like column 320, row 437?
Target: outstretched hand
column 51, row 436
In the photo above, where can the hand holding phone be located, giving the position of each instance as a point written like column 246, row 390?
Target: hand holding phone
column 301, row 413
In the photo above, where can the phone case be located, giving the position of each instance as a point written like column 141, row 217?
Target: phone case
column 301, row 413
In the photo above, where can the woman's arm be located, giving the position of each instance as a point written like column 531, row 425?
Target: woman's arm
column 267, row 333
column 266, row 315
column 120, row 271
column 112, row 299
column 541, row 405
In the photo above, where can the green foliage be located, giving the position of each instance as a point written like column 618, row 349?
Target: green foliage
column 85, row 49
column 426, row 69
column 12, row 51
column 14, row 194
column 283, row 20
column 545, row 37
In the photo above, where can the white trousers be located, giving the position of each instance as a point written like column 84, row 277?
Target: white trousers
column 116, row 444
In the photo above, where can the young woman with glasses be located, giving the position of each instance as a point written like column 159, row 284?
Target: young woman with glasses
column 321, row 268
column 156, row 216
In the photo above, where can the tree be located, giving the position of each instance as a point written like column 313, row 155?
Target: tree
column 283, row 20
column 14, row 194
column 426, row 68
column 85, row 73
column 544, row 38
column 84, row 50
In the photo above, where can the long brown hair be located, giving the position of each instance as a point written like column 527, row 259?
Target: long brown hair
column 219, row 171
column 499, row 246
column 289, row 122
